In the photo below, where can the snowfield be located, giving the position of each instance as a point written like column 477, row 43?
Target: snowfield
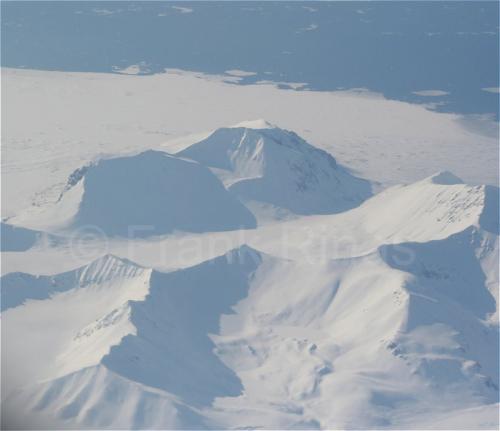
column 165, row 273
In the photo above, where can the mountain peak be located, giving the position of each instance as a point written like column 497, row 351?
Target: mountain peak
column 278, row 168
column 111, row 260
column 255, row 124
column 243, row 254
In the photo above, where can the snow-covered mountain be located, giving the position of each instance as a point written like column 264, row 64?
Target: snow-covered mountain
column 358, row 312
column 147, row 194
column 262, row 163
column 123, row 346
column 403, row 336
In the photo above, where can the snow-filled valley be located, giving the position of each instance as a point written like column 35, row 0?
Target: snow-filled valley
column 159, row 273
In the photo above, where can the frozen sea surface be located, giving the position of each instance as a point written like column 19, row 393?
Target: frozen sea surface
column 444, row 53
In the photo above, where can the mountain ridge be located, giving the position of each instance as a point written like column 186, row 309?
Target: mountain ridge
column 225, row 312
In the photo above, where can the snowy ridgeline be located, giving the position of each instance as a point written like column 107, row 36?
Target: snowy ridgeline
column 400, row 334
column 204, row 187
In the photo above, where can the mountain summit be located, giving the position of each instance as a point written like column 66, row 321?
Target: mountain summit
column 260, row 162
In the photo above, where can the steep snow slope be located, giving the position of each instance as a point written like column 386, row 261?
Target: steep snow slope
column 251, row 340
column 432, row 208
column 113, row 337
column 96, row 398
column 262, row 163
column 147, row 194
column 366, row 344
column 62, row 306
column 69, row 328
column 419, row 212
